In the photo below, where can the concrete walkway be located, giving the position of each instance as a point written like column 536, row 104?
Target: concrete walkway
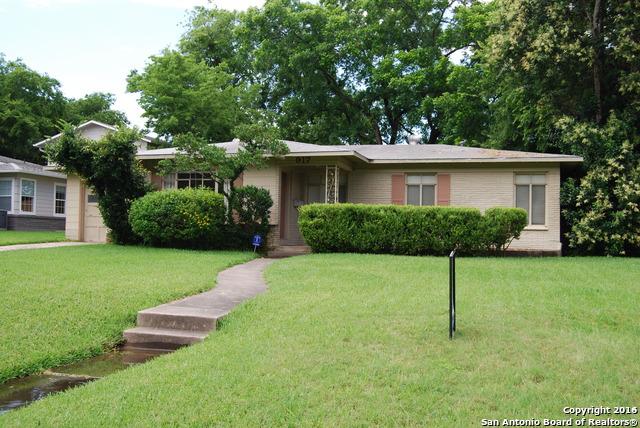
column 191, row 319
column 41, row 245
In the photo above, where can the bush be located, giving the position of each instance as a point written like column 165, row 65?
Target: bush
column 406, row 229
column 185, row 218
column 503, row 225
column 249, row 207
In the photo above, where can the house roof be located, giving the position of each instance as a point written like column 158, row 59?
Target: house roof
column 82, row 126
column 399, row 153
column 16, row 166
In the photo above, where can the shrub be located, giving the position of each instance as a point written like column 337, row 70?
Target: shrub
column 185, row 218
column 403, row 229
column 249, row 207
column 503, row 225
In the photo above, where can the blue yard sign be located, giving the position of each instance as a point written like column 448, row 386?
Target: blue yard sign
column 257, row 241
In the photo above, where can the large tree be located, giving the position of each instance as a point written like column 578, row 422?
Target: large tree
column 30, row 106
column 363, row 71
column 560, row 58
column 96, row 106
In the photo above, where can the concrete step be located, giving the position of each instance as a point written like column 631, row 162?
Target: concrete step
column 161, row 338
column 177, row 318
column 288, row 251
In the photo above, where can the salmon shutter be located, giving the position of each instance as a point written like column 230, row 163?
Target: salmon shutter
column 397, row 189
column 444, row 189
column 238, row 182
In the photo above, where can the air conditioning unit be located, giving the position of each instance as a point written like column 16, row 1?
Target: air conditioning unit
column 4, row 220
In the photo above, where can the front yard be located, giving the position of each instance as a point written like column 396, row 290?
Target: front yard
column 12, row 237
column 64, row 304
column 361, row 340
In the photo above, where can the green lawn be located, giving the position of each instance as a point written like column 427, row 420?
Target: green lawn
column 63, row 304
column 11, row 237
column 361, row 340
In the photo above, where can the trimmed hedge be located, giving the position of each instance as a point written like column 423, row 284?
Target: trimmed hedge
column 409, row 230
column 185, row 218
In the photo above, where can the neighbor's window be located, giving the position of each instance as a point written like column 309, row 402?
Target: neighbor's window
column 169, row 181
column 27, row 195
column 421, row 189
column 195, row 179
column 530, row 195
column 6, row 188
column 60, row 197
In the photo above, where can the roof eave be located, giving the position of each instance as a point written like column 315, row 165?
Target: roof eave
column 332, row 153
column 575, row 160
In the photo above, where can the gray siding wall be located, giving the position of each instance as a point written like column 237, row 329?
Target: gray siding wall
column 44, row 195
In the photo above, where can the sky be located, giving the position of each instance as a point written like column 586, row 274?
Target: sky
column 92, row 45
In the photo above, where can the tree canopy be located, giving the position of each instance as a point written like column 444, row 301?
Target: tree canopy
column 356, row 72
column 32, row 106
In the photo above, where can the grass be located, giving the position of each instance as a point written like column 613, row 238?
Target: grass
column 64, row 304
column 360, row 340
column 12, row 237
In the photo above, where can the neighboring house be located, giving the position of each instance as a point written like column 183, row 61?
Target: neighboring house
column 372, row 174
column 34, row 198
column 84, row 222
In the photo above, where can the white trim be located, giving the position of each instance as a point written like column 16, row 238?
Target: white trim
column 11, row 180
column 59, row 184
column 35, row 194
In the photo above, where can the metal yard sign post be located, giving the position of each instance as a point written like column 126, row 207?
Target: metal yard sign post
column 452, row 293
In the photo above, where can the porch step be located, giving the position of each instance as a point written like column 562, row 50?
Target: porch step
column 288, row 251
column 161, row 338
column 178, row 318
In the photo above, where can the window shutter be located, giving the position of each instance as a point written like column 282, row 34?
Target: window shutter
column 397, row 189
column 238, row 182
column 444, row 189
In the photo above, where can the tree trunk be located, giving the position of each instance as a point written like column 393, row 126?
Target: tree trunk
column 598, row 58
column 376, row 131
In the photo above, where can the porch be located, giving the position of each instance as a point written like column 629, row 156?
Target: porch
column 307, row 184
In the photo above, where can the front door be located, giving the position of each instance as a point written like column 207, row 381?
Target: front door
column 299, row 187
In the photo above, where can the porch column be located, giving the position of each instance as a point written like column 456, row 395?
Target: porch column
column 332, row 181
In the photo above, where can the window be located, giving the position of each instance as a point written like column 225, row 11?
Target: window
column 27, row 196
column 421, row 189
column 195, row 179
column 169, row 181
column 6, row 194
column 530, row 195
column 59, row 198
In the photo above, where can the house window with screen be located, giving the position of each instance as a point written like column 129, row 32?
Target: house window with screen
column 169, row 181
column 530, row 195
column 6, row 188
column 27, row 195
column 195, row 179
column 60, row 197
column 421, row 189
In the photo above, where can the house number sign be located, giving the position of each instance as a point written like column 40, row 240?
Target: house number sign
column 303, row 159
